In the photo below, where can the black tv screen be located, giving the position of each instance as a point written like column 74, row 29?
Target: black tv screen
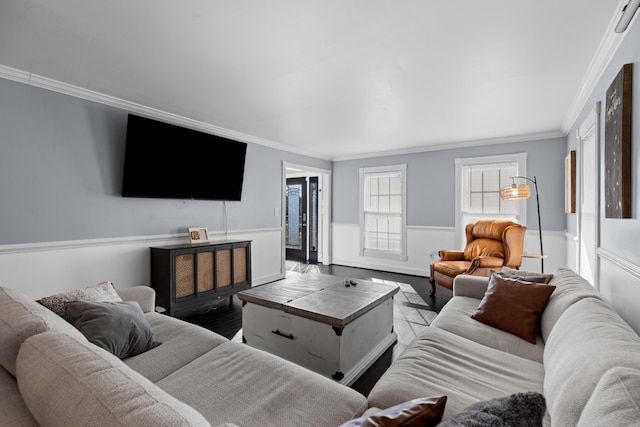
column 172, row 162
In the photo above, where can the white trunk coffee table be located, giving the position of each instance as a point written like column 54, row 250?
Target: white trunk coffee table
column 335, row 330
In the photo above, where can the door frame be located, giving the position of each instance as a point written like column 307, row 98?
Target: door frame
column 293, row 170
column 589, row 127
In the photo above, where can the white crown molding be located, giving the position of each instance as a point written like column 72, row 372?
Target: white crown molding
column 608, row 47
column 14, row 74
column 459, row 144
column 22, row 76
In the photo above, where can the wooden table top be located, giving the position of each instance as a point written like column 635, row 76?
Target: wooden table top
column 328, row 301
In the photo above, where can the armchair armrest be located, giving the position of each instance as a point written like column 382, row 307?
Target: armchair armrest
column 143, row 295
column 465, row 285
column 485, row 262
column 447, row 255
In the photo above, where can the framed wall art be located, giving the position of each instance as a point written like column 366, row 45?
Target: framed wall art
column 617, row 145
column 570, row 182
column 198, row 235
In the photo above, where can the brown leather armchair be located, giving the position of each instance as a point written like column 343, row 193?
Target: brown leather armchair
column 491, row 244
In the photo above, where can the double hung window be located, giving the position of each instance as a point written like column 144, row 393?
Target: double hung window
column 478, row 182
column 383, row 211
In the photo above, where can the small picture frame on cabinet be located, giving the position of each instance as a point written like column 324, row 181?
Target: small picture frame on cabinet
column 198, row 235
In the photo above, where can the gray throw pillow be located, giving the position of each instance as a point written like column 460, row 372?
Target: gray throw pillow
column 517, row 410
column 526, row 276
column 118, row 327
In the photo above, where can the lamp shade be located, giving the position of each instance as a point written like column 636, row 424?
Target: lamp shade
column 515, row 192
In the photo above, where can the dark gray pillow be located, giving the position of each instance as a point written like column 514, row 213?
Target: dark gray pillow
column 525, row 276
column 517, row 410
column 118, row 327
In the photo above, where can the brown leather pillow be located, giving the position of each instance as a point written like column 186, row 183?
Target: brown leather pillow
column 514, row 306
column 423, row 412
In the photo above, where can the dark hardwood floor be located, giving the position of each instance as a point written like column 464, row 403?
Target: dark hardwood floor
column 410, row 315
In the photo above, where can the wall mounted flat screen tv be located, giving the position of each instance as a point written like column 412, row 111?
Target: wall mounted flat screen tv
column 171, row 162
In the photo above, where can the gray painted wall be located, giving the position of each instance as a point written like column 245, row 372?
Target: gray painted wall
column 61, row 161
column 619, row 236
column 431, row 183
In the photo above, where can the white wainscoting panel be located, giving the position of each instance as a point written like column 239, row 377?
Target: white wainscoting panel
column 423, row 244
column 42, row 269
column 572, row 251
column 554, row 245
column 619, row 282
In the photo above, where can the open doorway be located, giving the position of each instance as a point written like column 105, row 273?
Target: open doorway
column 306, row 214
column 297, row 219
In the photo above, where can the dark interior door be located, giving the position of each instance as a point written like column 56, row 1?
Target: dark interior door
column 296, row 219
column 313, row 219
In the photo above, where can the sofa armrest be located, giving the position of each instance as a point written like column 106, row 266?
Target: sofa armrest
column 465, row 285
column 143, row 295
column 447, row 255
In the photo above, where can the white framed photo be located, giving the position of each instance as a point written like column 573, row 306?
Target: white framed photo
column 198, row 235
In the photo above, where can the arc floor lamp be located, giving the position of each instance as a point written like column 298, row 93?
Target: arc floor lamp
column 520, row 192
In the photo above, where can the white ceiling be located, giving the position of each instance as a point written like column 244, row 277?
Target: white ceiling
column 337, row 78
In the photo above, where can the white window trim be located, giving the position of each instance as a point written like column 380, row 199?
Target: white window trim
column 376, row 253
column 521, row 158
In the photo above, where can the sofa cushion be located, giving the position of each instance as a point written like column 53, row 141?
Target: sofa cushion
column 570, row 288
column 514, row 306
column 20, row 318
column 104, row 291
column 182, row 343
column 519, row 409
column 13, row 411
column 71, row 382
column 438, row 362
column 615, row 400
column 588, row 339
column 424, row 412
column 455, row 317
column 238, row 376
column 118, row 327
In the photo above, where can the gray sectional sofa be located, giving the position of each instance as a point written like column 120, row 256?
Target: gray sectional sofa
column 52, row 376
column 586, row 362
